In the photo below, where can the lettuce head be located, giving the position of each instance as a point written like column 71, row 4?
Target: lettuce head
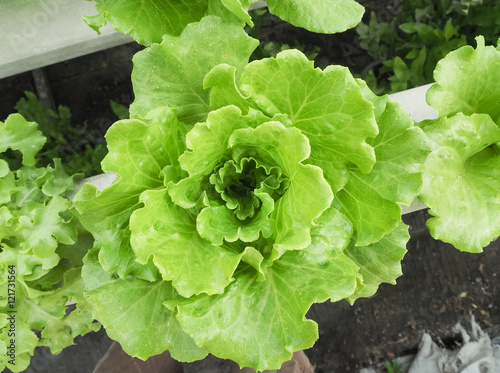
column 246, row 192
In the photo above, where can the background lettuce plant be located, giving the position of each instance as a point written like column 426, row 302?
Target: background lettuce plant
column 462, row 174
column 42, row 246
column 259, row 189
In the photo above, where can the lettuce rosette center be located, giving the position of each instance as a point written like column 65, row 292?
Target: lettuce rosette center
column 238, row 183
column 248, row 181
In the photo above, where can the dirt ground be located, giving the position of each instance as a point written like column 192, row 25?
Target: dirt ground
column 440, row 286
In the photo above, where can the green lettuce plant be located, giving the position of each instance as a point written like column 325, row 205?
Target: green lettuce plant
column 462, row 174
column 42, row 246
column 259, row 189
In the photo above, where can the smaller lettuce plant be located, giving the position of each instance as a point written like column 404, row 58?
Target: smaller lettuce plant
column 246, row 192
column 41, row 251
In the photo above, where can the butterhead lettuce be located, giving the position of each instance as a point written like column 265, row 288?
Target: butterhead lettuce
column 264, row 188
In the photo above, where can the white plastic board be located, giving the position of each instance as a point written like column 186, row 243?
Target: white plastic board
column 37, row 33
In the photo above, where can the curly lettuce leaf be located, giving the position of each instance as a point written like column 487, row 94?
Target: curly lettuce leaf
column 241, row 225
column 192, row 263
column 42, row 289
column 468, row 82
column 462, row 181
column 324, row 16
column 132, row 313
column 276, row 308
column 207, row 143
column 379, row 262
column 239, row 8
column 147, row 20
column 19, row 134
column 371, row 199
column 7, row 182
column 139, row 155
column 55, row 181
column 44, row 228
column 172, row 73
column 327, row 106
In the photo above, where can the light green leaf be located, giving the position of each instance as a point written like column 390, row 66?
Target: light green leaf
column 55, row 181
column 7, row 183
column 218, row 223
column 327, row 106
column 325, row 16
column 132, row 313
column 28, row 267
column 24, row 344
column 95, row 22
column 46, row 311
column 259, row 324
column 172, row 72
column 44, row 227
column 333, row 231
column 192, row 263
column 138, row 150
column 379, row 262
column 148, row 20
column 7, row 224
column 106, row 215
column 370, row 200
column 4, row 168
column 468, row 82
column 18, row 134
column 236, row 7
column 462, row 181
column 223, row 88
column 26, row 189
column 139, row 154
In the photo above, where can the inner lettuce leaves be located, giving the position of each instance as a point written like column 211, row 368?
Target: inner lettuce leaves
column 462, row 174
column 41, row 251
column 233, row 219
column 147, row 21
